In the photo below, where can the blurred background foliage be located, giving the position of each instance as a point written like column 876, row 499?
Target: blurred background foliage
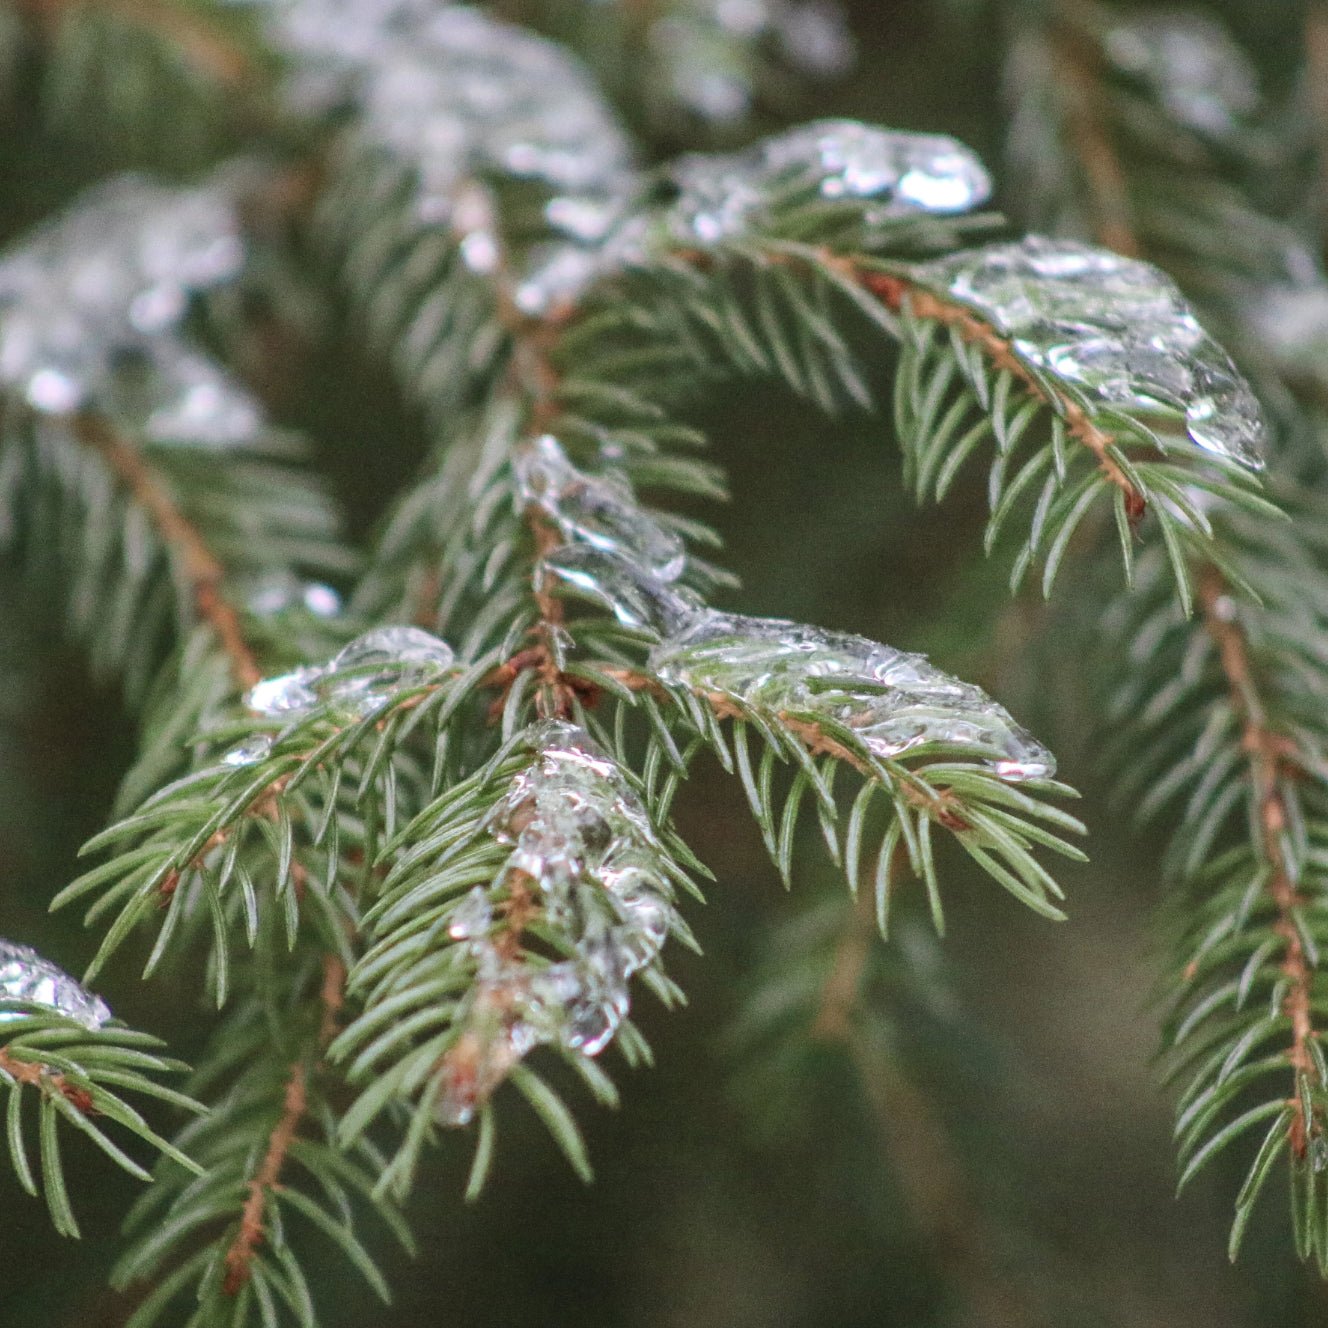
column 1011, row 1163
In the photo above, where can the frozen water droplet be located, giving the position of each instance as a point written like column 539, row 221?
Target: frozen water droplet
column 286, row 696
column 249, row 752
column 895, row 702
column 389, row 647
column 635, row 597
column 596, row 510
column 1319, row 1153
column 472, row 917
column 903, row 174
column 1190, row 64
column 27, row 978
column 1115, row 328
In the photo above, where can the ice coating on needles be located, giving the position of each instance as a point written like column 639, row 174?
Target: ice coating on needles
column 28, row 979
column 584, row 855
column 1115, row 328
column 893, row 701
column 92, row 307
column 597, row 510
column 901, row 174
column 385, row 657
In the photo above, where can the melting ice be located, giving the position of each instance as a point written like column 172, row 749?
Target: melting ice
column 91, row 308
column 894, row 701
column 582, row 844
column 27, row 978
column 600, row 511
column 1116, row 328
column 902, row 174
column 359, row 677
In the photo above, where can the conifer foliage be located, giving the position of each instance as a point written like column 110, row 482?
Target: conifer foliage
column 411, row 841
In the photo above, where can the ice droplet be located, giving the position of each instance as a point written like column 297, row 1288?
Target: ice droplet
column 635, row 597
column 472, row 917
column 396, row 648
column 600, row 511
column 1115, row 328
column 893, row 701
column 286, row 696
column 1191, row 65
column 27, row 978
column 902, row 174
column 249, row 752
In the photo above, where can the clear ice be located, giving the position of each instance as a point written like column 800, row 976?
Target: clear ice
column 454, row 96
column 901, row 174
column 1115, row 328
column 1190, row 63
column 635, row 598
column 28, row 979
column 583, row 846
column 92, row 308
column 359, row 677
column 600, row 511
column 893, row 701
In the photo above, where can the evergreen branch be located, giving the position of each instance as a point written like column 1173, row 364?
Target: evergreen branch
column 553, row 887
column 221, row 1249
column 1249, row 915
column 78, row 1076
column 249, row 1236
column 199, row 567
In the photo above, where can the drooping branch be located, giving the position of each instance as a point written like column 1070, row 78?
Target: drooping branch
column 199, row 567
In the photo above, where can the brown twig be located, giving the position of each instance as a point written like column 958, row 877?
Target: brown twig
column 37, row 1075
column 940, row 804
column 1272, row 761
column 266, row 1180
column 199, row 568
column 240, row 1255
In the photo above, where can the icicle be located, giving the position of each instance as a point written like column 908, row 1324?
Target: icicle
column 27, row 978
column 600, row 511
column 1113, row 327
column 1189, row 62
column 893, row 701
column 902, row 174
